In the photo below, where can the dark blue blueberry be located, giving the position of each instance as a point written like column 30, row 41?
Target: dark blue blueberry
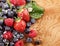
column 37, row 42
column 28, row 24
column 27, row 30
column 33, row 20
column 4, row 16
column 29, row 40
column 5, row 6
column 15, row 39
column 21, row 36
column 1, row 21
column 1, row 44
column 3, row 1
column 7, row 28
column 14, row 32
column 11, row 44
column 18, row 36
column 0, row 14
column 28, row 1
column 10, row 13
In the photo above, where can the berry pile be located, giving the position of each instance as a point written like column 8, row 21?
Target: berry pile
column 15, row 22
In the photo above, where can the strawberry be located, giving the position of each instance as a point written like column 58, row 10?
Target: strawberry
column 19, row 43
column 24, row 14
column 32, row 33
column 9, row 21
column 19, row 25
column 8, row 35
column 18, row 2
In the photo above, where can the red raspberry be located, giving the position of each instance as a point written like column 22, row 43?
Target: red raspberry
column 18, row 2
column 8, row 35
column 9, row 22
column 19, row 43
column 32, row 34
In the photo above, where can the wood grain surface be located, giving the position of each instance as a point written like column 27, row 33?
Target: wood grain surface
column 48, row 26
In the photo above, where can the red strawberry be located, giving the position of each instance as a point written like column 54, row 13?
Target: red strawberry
column 32, row 34
column 19, row 43
column 8, row 35
column 9, row 22
column 24, row 14
column 18, row 2
column 19, row 25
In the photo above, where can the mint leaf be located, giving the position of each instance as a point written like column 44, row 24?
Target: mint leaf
column 37, row 11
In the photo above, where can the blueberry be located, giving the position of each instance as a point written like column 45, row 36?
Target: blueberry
column 1, row 20
column 29, row 40
column 37, row 42
column 21, row 35
column 7, row 28
column 28, row 24
column 1, row 44
column 10, row 13
column 4, row 16
column 33, row 20
column 15, row 39
column 28, row 1
column 5, row 6
column 3, row 1
column 27, row 30
column 18, row 36
column 11, row 44
column 14, row 32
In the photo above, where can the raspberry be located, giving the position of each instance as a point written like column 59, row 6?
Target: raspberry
column 9, row 22
column 19, row 43
column 32, row 34
column 7, row 35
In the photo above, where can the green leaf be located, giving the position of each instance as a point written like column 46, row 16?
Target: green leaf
column 37, row 11
column 35, row 15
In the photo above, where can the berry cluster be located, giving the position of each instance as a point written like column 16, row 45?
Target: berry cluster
column 14, row 26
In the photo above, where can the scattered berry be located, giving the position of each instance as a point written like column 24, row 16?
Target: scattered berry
column 32, row 34
column 29, row 40
column 27, row 31
column 37, row 42
column 9, row 21
column 8, row 35
column 19, row 43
